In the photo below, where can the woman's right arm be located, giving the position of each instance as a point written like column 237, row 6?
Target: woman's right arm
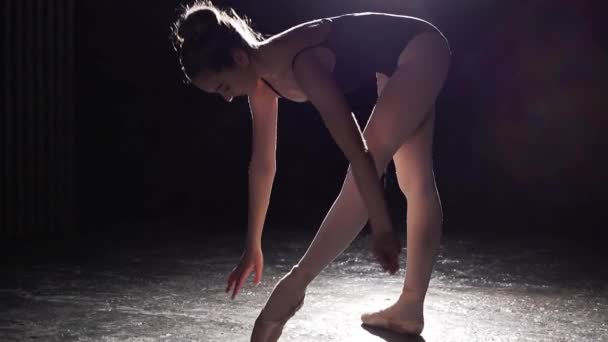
column 263, row 104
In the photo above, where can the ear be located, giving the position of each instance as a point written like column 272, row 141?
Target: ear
column 240, row 57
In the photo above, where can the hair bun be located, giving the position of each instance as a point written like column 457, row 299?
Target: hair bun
column 196, row 25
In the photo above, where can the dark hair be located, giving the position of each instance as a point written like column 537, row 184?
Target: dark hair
column 205, row 36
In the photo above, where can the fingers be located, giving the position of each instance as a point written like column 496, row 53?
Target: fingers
column 392, row 263
column 381, row 259
column 387, row 248
column 258, row 275
column 389, row 262
column 240, row 282
column 236, row 280
column 388, row 258
column 230, row 281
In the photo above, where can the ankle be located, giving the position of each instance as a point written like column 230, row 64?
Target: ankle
column 412, row 297
column 301, row 276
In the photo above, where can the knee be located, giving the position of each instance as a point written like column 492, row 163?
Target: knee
column 417, row 187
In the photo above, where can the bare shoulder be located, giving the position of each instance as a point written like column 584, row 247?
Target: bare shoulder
column 284, row 45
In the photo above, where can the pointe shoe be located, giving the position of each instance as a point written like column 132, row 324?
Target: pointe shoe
column 376, row 320
column 270, row 331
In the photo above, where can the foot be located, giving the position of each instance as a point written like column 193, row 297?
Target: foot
column 286, row 299
column 270, row 330
column 402, row 317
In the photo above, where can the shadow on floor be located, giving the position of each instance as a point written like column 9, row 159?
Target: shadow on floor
column 390, row 336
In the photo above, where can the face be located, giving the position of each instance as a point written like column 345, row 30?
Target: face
column 235, row 81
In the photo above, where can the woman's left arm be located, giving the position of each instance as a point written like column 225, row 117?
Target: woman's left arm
column 323, row 92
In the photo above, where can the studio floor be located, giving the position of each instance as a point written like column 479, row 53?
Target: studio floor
column 172, row 289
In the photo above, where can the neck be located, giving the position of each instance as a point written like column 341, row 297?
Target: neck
column 259, row 62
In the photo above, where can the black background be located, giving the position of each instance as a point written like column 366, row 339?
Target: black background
column 519, row 143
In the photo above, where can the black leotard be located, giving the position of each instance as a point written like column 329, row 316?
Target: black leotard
column 366, row 43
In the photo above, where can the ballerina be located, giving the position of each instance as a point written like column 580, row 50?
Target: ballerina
column 320, row 61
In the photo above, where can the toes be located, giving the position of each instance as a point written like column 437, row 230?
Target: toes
column 374, row 319
column 365, row 318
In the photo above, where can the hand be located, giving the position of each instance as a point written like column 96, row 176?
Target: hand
column 386, row 248
column 252, row 260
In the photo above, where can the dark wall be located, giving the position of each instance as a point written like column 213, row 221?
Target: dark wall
column 37, row 119
column 518, row 139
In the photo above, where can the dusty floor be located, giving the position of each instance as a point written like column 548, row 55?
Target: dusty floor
column 172, row 290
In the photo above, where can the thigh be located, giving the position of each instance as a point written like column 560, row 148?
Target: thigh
column 407, row 97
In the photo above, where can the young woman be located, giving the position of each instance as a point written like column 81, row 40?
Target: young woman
column 319, row 61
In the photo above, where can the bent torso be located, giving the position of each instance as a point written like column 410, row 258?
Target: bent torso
column 283, row 47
